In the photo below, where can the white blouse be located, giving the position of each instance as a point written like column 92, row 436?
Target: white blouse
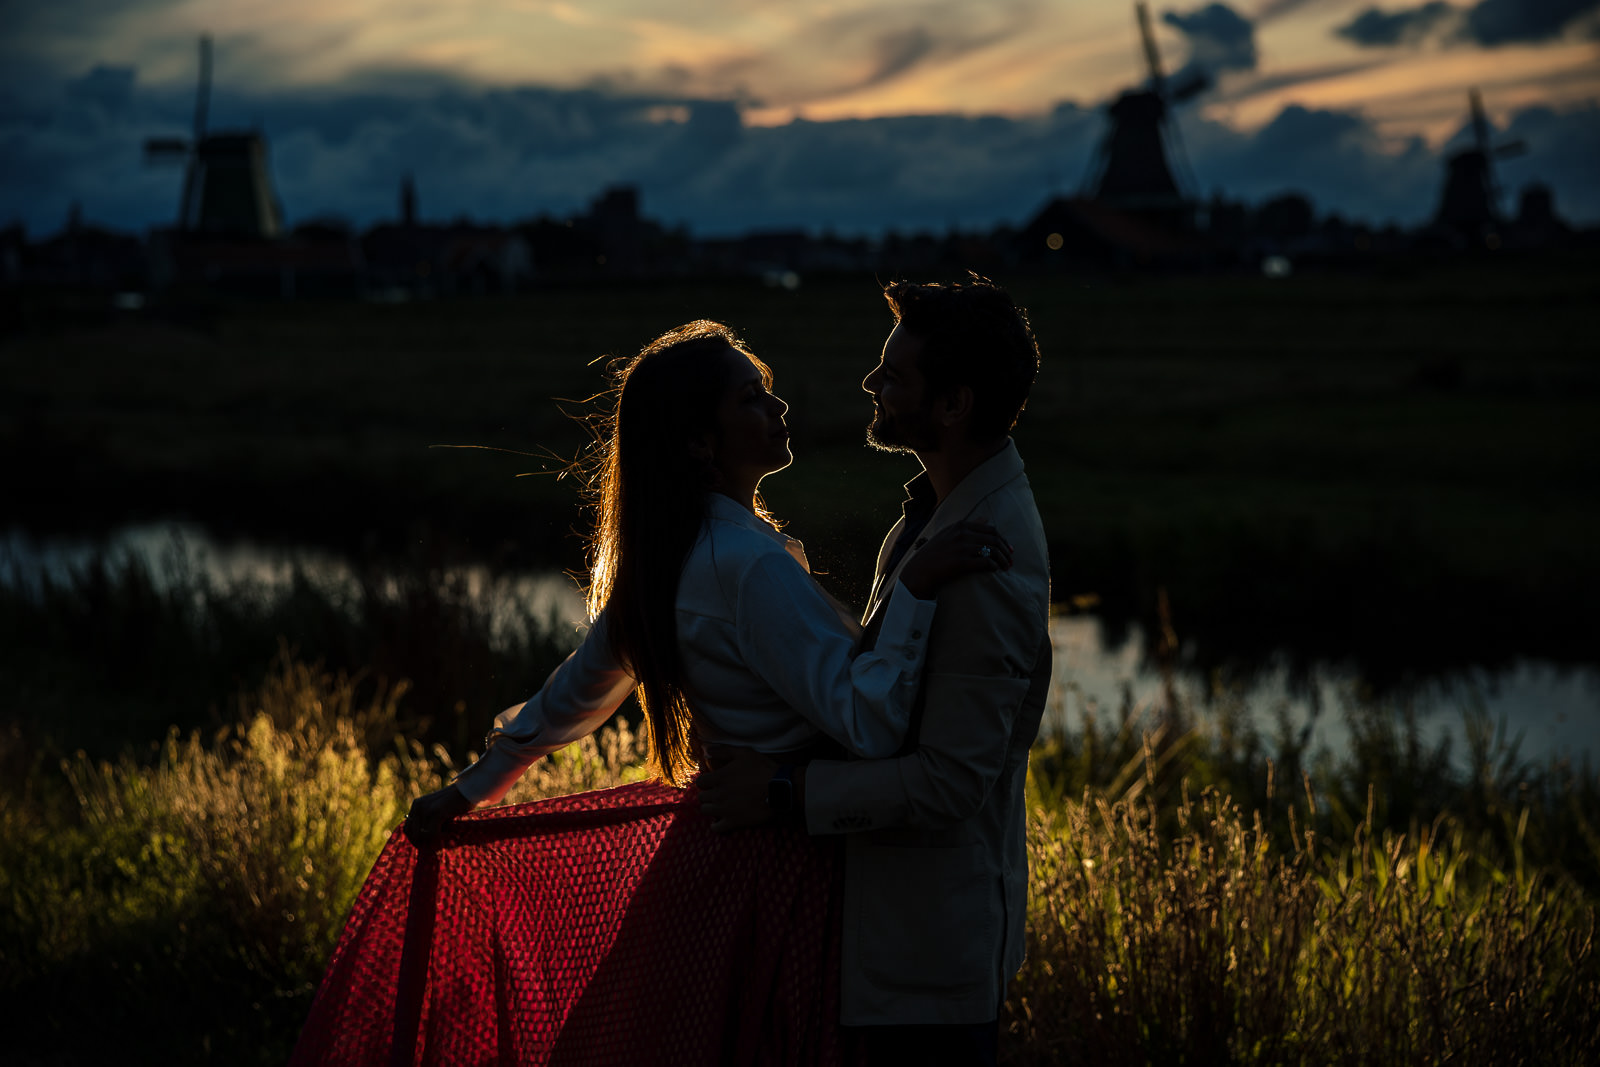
column 769, row 662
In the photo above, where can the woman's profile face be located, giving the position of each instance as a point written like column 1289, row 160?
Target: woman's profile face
column 752, row 439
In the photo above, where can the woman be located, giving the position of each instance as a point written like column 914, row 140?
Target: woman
column 709, row 613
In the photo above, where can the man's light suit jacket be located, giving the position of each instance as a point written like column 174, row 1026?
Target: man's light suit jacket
column 936, row 868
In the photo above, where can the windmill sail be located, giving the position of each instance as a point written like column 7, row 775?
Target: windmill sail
column 202, row 97
column 1152, row 56
column 1131, row 170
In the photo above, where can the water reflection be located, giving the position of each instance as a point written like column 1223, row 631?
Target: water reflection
column 1556, row 710
column 176, row 553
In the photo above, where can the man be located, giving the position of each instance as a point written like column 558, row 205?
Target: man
column 935, row 854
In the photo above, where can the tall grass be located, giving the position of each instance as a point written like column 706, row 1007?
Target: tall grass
column 1186, row 907
column 1216, row 945
column 111, row 652
column 189, row 903
column 1201, row 893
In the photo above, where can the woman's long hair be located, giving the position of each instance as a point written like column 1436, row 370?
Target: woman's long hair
column 651, row 495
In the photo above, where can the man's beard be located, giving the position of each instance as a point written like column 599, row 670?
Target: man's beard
column 912, row 432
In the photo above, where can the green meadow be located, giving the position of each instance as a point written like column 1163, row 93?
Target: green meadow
column 1336, row 464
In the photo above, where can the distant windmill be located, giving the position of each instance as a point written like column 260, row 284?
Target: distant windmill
column 227, row 188
column 1470, row 204
column 1130, row 169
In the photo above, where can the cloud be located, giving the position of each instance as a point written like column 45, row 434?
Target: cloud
column 840, row 50
column 783, row 55
column 1219, row 40
column 105, row 87
column 1563, row 153
column 898, row 52
column 1488, row 23
column 1261, row 84
column 867, row 175
column 1495, row 22
column 1375, row 28
column 873, row 46
column 510, row 154
column 1334, row 157
column 27, row 20
column 1276, row 9
column 36, row 39
column 1339, row 159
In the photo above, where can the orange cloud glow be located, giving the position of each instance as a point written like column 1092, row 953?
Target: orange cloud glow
column 1425, row 94
column 830, row 59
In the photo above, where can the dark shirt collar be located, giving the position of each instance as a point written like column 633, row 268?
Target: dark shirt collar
column 920, row 500
column 985, row 478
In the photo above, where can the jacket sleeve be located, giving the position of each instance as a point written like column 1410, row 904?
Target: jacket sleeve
column 791, row 636
column 983, row 654
column 579, row 695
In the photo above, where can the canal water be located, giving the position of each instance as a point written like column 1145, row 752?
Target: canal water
column 1551, row 712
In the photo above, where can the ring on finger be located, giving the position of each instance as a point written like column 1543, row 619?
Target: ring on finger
column 985, row 551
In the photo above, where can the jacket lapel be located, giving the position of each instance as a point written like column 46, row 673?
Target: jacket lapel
column 993, row 473
column 879, row 582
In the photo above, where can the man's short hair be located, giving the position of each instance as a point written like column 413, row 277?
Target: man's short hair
column 972, row 334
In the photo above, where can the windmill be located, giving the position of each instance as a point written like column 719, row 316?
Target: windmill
column 1470, row 204
column 1130, row 170
column 227, row 187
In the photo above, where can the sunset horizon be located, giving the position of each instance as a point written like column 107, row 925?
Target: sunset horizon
column 731, row 115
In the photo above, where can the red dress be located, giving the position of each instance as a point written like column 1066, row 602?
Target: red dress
column 600, row 928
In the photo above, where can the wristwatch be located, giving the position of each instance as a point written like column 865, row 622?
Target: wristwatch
column 780, row 792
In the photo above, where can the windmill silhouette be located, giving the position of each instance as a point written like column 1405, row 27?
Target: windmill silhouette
column 227, row 187
column 1469, row 206
column 1131, row 209
column 1131, row 170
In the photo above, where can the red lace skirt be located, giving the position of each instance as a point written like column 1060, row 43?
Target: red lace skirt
column 605, row 927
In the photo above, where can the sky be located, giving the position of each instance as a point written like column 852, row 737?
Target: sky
column 851, row 116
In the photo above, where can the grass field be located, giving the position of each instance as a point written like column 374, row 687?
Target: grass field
column 1332, row 465
column 191, row 898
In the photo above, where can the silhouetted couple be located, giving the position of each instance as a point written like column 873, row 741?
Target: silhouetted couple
column 706, row 919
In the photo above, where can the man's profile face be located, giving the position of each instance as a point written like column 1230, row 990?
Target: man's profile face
column 902, row 419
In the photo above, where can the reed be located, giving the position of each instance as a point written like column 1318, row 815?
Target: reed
column 191, row 901
column 1201, row 892
column 110, row 654
column 193, row 898
column 1217, row 945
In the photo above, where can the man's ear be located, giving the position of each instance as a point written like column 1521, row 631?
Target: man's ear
column 954, row 406
column 703, row 449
